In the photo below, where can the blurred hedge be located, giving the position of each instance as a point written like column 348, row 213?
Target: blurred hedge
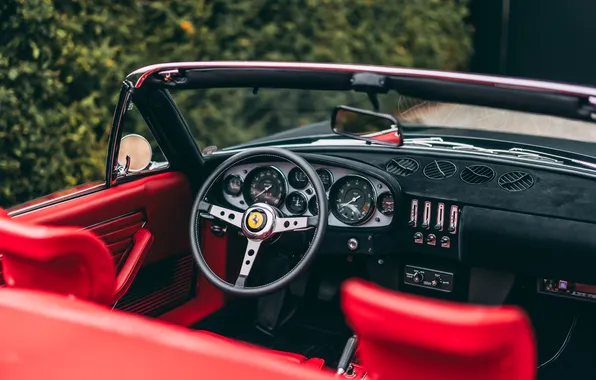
column 61, row 64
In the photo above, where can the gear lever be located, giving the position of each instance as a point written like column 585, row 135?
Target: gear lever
column 347, row 355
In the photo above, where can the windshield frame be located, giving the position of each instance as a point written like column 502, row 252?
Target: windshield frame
column 538, row 97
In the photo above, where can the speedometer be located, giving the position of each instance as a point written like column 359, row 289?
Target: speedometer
column 352, row 199
column 266, row 184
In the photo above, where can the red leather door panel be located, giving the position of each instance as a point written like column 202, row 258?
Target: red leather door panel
column 118, row 233
column 163, row 199
column 159, row 205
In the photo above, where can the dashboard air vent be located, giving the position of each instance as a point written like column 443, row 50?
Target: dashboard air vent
column 402, row 167
column 438, row 170
column 477, row 174
column 516, row 181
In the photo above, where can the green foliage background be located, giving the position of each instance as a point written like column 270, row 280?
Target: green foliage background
column 62, row 62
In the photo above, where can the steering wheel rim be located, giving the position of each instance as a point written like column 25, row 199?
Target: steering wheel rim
column 272, row 223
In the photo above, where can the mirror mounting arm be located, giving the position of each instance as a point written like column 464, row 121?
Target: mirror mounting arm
column 126, row 168
column 370, row 83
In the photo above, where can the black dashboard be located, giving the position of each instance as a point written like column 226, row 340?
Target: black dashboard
column 442, row 212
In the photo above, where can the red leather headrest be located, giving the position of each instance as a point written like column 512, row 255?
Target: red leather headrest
column 407, row 336
column 56, row 259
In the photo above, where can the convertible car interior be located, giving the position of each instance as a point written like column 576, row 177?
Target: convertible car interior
column 359, row 242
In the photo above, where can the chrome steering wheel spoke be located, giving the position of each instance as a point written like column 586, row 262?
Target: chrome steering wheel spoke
column 250, row 255
column 295, row 223
column 224, row 214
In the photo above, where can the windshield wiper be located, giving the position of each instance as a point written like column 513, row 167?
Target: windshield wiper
column 432, row 142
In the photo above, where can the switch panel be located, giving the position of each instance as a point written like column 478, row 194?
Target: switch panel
column 429, row 278
column 434, row 224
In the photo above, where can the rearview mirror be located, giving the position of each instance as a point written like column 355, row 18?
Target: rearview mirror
column 366, row 125
column 135, row 153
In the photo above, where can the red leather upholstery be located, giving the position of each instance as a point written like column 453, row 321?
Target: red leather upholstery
column 62, row 260
column 409, row 337
column 71, row 261
column 52, row 337
column 67, row 260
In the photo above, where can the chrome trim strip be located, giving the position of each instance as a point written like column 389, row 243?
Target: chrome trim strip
column 116, row 218
column 58, row 200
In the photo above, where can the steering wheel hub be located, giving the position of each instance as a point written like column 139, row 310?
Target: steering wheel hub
column 258, row 221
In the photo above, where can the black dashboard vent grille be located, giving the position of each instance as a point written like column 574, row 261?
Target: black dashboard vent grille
column 438, row 170
column 402, row 167
column 516, row 181
column 477, row 174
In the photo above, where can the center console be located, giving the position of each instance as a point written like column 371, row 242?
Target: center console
column 431, row 238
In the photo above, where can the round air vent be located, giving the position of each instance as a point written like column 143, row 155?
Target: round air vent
column 438, row 170
column 516, row 181
column 477, row 174
column 402, row 167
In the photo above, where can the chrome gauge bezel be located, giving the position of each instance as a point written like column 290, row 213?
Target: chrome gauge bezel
column 330, row 177
column 296, row 168
column 380, row 198
column 333, row 204
column 225, row 183
column 301, row 194
column 284, row 180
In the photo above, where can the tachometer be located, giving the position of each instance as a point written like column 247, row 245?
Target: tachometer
column 266, row 184
column 352, row 200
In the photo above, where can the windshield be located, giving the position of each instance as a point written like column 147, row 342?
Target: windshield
column 228, row 117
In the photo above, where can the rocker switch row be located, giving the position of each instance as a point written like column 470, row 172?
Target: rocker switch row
column 440, row 216
column 445, row 219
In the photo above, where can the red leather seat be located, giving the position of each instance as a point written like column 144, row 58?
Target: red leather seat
column 71, row 261
column 53, row 337
column 66, row 260
column 409, row 337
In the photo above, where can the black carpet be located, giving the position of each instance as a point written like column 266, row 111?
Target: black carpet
column 315, row 331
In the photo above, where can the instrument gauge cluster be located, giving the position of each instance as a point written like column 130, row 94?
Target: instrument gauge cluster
column 355, row 200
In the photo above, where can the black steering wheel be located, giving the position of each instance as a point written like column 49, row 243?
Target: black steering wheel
column 258, row 223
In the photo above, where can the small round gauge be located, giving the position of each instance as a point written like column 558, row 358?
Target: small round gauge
column 233, row 185
column 297, row 178
column 385, row 204
column 352, row 199
column 265, row 184
column 326, row 177
column 296, row 203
